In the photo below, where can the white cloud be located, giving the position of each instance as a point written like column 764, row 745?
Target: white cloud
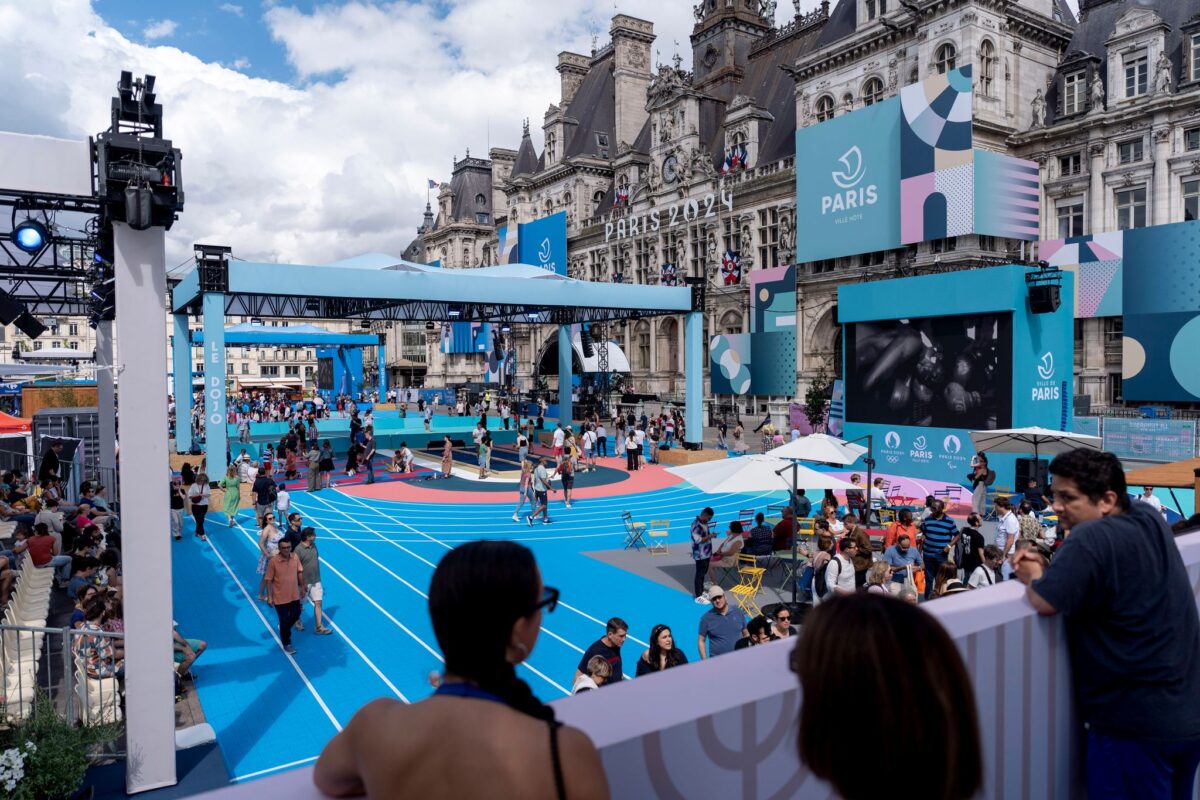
column 240, row 63
column 160, row 29
column 230, row 8
column 336, row 165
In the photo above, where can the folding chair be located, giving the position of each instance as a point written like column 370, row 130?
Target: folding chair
column 886, row 516
column 750, row 582
column 633, row 531
column 657, row 532
column 746, row 517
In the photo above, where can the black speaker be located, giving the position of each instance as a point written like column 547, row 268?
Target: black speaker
column 1029, row 469
column 9, row 309
column 585, row 341
column 29, row 326
column 1044, row 299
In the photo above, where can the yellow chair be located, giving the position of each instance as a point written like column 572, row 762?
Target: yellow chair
column 750, row 583
column 657, row 534
column 886, row 516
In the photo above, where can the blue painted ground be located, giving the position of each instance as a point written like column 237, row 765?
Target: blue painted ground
column 273, row 712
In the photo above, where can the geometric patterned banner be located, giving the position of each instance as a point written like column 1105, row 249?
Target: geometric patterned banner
column 1096, row 260
column 762, row 362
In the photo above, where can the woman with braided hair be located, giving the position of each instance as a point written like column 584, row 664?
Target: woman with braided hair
column 481, row 707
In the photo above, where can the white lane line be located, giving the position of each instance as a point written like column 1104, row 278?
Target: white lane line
column 269, row 770
column 526, row 664
column 271, row 630
column 339, row 631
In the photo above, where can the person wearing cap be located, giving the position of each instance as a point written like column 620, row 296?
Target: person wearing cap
column 720, row 626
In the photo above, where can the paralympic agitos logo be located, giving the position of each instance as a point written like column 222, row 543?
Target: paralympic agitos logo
column 848, row 179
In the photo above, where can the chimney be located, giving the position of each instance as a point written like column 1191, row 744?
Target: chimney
column 572, row 68
column 631, row 39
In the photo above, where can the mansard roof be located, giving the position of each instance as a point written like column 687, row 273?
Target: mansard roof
column 594, row 109
column 1097, row 23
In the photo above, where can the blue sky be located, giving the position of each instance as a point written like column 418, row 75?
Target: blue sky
column 228, row 32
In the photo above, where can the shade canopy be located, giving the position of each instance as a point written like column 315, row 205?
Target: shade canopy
column 10, row 424
column 819, row 447
column 754, row 473
column 56, row 354
column 299, row 335
column 1039, row 441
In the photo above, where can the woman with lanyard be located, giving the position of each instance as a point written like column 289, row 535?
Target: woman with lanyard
column 516, row 747
column 198, row 495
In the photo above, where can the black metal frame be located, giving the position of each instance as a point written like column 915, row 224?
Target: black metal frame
column 55, row 279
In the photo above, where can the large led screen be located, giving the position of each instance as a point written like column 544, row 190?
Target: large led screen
column 942, row 372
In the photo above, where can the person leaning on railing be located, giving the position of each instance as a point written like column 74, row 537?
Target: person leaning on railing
column 483, row 733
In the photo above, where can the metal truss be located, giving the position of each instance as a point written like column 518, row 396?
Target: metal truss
column 306, row 307
column 55, row 279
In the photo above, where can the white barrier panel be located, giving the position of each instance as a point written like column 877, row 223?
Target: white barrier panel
column 45, row 165
column 727, row 728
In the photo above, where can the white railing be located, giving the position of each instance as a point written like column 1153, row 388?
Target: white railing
column 727, row 727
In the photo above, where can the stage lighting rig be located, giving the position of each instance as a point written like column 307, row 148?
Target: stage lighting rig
column 30, row 235
column 1045, row 288
column 137, row 171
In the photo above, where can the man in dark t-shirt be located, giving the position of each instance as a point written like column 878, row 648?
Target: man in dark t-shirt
column 48, row 470
column 608, row 647
column 1132, row 629
column 972, row 546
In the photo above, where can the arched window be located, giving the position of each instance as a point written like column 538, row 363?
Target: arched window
column 551, row 146
column 737, row 138
column 824, row 108
column 946, row 58
column 597, row 195
column 480, row 200
column 872, row 91
column 987, row 68
column 731, row 322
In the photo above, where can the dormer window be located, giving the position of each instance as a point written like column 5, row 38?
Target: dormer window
column 1137, row 73
column 1195, row 56
column 480, row 200
column 824, row 108
column 872, row 92
column 1074, row 92
column 602, row 139
column 946, row 58
column 551, row 147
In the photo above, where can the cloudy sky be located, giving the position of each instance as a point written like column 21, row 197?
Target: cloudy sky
column 309, row 130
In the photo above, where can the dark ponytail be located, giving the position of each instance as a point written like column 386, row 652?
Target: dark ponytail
column 497, row 583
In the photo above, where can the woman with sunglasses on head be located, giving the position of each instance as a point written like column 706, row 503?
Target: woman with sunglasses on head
column 663, row 654
column 513, row 746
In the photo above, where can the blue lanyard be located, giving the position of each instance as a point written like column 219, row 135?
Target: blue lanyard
column 468, row 690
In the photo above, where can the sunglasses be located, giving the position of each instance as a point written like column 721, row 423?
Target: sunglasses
column 783, row 619
column 549, row 600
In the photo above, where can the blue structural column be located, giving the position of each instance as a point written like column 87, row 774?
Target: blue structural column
column 181, row 365
column 693, row 368
column 215, row 434
column 565, row 412
column 381, row 352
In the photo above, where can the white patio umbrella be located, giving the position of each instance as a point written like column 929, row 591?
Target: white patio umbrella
column 1039, row 440
column 820, row 447
column 755, row 473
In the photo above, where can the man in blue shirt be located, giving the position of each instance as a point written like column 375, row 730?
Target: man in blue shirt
column 939, row 535
column 760, row 538
column 900, row 557
column 721, row 626
column 1132, row 630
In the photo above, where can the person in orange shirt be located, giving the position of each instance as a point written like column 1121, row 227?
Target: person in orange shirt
column 904, row 526
column 284, row 580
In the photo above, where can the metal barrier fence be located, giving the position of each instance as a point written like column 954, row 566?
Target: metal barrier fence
column 35, row 658
column 25, row 465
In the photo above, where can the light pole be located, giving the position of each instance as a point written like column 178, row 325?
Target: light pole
column 870, row 462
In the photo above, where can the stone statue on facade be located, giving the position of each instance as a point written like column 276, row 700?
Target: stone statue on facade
column 1097, row 92
column 1038, row 106
column 766, row 10
column 698, row 10
column 1162, row 74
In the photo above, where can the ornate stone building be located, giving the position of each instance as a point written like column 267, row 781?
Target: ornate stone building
column 1119, row 145
column 1109, row 106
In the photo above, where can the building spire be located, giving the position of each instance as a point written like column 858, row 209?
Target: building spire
column 525, row 126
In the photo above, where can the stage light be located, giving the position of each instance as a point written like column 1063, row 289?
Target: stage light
column 256, row 321
column 454, row 312
column 533, row 314
column 30, row 236
column 365, row 324
column 505, row 328
column 312, row 304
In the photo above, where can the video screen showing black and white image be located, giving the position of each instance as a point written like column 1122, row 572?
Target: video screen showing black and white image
column 944, row 372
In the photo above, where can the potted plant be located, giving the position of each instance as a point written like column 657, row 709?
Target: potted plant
column 45, row 756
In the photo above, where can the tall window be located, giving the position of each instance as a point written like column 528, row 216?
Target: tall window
column 1196, row 56
column 1191, row 139
column 1131, row 208
column 1070, row 218
column 551, row 146
column 1070, row 164
column 1136, row 74
column 1074, row 91
column 987, row 68
column 824, row 108
column 872, row 11
column 1129, row 152
column 768, row 238
column 946, row 58
column 872, row 91
column 1191, row 199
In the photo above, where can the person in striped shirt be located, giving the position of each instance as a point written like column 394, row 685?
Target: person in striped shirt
column 939, row 535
